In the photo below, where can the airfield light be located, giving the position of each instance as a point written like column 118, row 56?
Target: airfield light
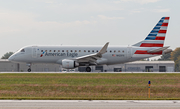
column 149, row 88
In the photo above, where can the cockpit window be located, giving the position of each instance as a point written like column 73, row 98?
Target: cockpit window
column 22, row 50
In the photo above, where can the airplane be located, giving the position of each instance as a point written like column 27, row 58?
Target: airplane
column 71, row 57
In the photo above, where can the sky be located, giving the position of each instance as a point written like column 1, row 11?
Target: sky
column 84, row 22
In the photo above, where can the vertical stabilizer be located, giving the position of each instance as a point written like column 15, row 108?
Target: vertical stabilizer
column 157, row 36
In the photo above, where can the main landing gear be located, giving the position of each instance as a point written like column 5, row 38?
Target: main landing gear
column 88, row 69
column 29, row 69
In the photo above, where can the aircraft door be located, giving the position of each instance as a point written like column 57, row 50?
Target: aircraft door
column 34, row 52
column 129, row 52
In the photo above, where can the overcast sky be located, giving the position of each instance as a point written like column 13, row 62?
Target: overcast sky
column 84, row 22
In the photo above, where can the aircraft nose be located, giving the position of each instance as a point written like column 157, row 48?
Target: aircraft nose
column 11, row 58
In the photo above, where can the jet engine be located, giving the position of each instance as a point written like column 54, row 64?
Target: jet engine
column 69, row 64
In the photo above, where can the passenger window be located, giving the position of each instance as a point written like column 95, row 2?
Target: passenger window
column 66, row 50
column 54, row 50
column 114, row 51
column 84, row 50
column 75, row 51
column 22, row 50
column 49, row 50
column 46, row 51
column 92, row 50
column 79, row 50
column 62, row 50
column 123, row 51
column 88, row 50
column 110, row 51
column 41, row 50
column 71, row 51
column 58, row 50
column 97, row 51
column 118, row 50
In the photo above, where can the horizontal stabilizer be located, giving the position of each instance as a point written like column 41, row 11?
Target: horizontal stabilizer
column 158, row 50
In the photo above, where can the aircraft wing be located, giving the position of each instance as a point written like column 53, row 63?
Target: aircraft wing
column 158, row 50
column 92, row 57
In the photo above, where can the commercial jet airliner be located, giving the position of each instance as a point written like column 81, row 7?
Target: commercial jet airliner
column 71, row 57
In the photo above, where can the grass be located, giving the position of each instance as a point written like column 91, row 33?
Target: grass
column 89, row 86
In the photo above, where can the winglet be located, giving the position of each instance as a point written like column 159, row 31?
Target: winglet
column 103, row 50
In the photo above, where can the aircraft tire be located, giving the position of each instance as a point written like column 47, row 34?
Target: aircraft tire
column 88, row 69
column 29, row 70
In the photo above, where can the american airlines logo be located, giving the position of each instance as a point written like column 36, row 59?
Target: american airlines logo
column 59, row 54
column 42, row 54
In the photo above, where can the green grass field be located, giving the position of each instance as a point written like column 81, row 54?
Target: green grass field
column 89, row 86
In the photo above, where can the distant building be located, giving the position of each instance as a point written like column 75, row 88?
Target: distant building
column 138, row 66
column 7, row 66
column 148, row 66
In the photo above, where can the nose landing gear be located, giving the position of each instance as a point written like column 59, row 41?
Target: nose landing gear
column 29, row 69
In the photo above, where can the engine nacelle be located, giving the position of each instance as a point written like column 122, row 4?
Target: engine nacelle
column 167, row 51
column 69, row 64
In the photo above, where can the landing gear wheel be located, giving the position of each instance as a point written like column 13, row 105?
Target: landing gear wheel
column 88, row 69
column 29, row 70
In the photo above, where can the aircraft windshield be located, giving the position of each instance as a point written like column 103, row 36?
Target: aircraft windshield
column 22, row 50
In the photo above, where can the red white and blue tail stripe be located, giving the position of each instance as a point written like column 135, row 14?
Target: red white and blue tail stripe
column 157, row 36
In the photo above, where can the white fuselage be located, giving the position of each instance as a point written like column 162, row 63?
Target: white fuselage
column 55, row 54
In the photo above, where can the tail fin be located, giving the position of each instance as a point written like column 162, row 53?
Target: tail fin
column 157, row 36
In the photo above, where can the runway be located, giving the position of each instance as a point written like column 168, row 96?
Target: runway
column 85, row 104
column 89, row 72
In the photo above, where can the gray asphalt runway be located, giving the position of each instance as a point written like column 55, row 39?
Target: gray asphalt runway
column 85, row 104
column 89, row 72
